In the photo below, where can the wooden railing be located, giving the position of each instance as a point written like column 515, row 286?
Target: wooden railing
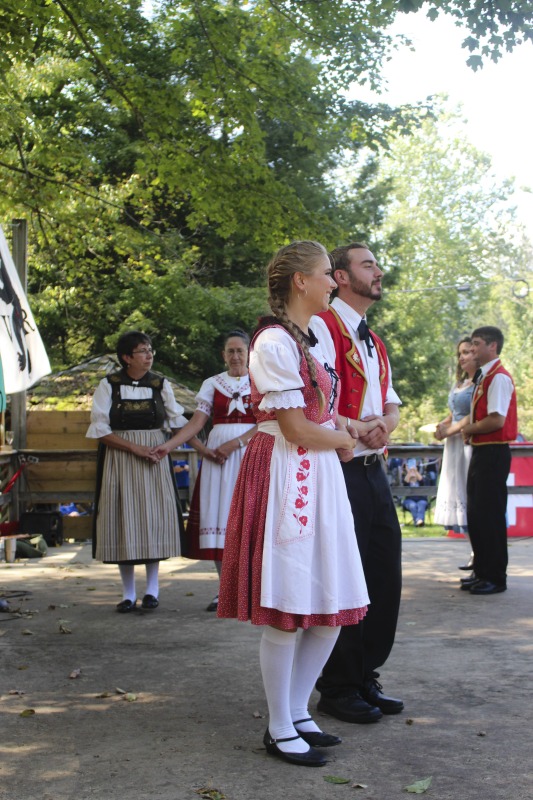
column 60, row 474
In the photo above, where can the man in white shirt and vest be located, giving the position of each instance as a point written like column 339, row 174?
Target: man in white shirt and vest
column 492, row 425
column 348, row 686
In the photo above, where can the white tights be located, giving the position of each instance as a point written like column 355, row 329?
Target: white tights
column 290, row 667
column 127, row 575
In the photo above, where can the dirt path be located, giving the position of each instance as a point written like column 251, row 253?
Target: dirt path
column 170, row 702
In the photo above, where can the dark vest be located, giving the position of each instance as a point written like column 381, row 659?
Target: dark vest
column 131, row 415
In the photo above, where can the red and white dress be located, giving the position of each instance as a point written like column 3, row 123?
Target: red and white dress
column 291, row 556
column 228, row 399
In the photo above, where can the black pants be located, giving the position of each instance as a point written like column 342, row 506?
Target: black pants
column 361, row 649
column 486, row 508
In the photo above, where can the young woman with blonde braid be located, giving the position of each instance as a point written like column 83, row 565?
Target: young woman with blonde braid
column 291, row 555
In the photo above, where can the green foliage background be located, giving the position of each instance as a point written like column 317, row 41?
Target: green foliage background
column 162, row 152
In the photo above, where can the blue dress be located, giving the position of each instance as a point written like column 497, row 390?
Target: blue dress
column 450, row 509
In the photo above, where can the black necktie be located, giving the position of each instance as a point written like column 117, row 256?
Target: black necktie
column 364, row 335
column 477, row 376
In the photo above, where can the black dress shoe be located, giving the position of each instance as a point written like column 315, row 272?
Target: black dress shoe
column 350, row 708
column 125, row 606
column 312, row 758
column 149, row 601
column 468, row 566
column 467, row 583
column 373, row 694
column 316, row 738
column 487, row 587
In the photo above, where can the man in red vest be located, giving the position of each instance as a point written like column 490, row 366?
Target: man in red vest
column 492, row 426
column 348, row 686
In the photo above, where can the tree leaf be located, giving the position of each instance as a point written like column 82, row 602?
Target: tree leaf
column 75, row 673
column 419, row 787
column 28, row 712
column 333, row 779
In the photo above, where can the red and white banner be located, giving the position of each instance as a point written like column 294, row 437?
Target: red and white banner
column 520, row 506
column 24, row 359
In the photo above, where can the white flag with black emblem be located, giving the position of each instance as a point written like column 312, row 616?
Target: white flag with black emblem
column 24, row 359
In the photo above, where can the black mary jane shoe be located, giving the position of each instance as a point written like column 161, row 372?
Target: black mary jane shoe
column 310, row 759
column 468, row 566
column 316, row 738
column 149, row 601
column 213, row 605
column 125, row 606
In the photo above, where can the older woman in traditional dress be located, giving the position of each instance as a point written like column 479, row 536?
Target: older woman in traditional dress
column 137, row 518
column 226, row 399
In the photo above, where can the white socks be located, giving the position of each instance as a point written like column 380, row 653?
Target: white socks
column 127, row 576
column 152, row 579
column 289, row 671
column 312, row 651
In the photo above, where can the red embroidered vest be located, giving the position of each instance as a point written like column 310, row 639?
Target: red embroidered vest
column 480, row 410
column 349, row 366
column 220, row 410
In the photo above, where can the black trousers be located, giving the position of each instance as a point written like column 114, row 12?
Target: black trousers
column 361, row 649
column 486, row 508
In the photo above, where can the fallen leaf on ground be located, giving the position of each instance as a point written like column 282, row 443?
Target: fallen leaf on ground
column 419, row 787
column 189, row 594
column 64, row 629
column 105, row 694
column 120, row 691
column 359, row 786
column 211, row 794
column 333, row 779
column 16, row 691
column 75, row 673
column 23, row 666
column 409, row 721
column 2, row 633
column 91, row 588
column 130, row 697
column 481, row 733
column 257, row 715
column 28, row 712
column 26, row 632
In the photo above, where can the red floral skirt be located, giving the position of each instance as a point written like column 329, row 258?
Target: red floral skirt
column 240, row 584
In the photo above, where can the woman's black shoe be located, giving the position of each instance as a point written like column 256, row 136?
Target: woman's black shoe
column 149, row 601
column 316, row 738
column 125, row 606
column 310, row 759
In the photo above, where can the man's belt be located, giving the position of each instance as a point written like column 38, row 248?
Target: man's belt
column 367, row 461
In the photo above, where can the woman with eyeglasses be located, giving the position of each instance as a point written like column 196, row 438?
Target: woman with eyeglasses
column 137, row 519
column 224, row 398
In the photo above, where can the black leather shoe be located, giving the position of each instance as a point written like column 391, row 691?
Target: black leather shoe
column 468, row 583
column 310, row 759
column 351, row 708
column 469, row 578
column 149, row 601
column 486, row 587
column 316, row 738
column 468, row 566
column 373, row 694
column 125, row 606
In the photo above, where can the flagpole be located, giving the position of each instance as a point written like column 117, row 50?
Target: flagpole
column 18, row 399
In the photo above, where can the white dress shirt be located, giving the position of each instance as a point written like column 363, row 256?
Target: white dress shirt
column 372, row 403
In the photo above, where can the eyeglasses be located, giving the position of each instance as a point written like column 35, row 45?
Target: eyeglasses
column 145, row 351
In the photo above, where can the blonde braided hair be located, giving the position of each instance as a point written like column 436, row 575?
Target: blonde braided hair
column 301, row 257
